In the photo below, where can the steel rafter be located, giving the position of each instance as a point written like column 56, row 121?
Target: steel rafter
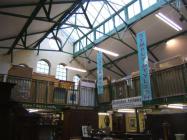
column 61, row 20
column 129, row 22
column 182, row 17
column 124, row 74
column 118, row 39
column 67, row 39
column 86, row 16
column 149, row 47
column 27, row 24
column 35, row 4
column 104, row 67
column 26, row 17
column 28, row 34
column 48, row 11
column 57, row 41
column 153, row 55
column 133, row 33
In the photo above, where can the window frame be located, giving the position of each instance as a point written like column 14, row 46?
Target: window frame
column 46, row 62
column 63, row 68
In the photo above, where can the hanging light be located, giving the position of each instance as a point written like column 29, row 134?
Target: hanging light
column 106, row 51
column 75, row 69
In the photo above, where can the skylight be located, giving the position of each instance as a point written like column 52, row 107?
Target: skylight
column 97, row 12
column 94, row 21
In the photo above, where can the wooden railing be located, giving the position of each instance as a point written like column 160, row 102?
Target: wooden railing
column 164, row 83
column 34, row 91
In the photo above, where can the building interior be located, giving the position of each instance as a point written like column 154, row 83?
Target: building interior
column 93, row 69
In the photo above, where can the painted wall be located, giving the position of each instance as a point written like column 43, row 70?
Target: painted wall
column 31, row 58
column 163, row 51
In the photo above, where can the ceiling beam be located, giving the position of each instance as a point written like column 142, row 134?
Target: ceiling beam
column 133, row 33
column 27, row 24
column 124, row 74
column 26, row 17
column 118, row 74
column 86, row 16
column 153, row 55
column 61, row 20
column 149, row 47
column 35, row 4
column 28, row 34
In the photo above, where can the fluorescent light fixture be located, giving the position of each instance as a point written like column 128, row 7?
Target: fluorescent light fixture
column 168, row 21
column 76, row 69
column 126, row 110
column 32, row 110
column 103, row 114
column 106, row 51
column 176, row 106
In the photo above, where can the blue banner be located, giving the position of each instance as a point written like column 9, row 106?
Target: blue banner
column 144, row 67
column 100, row 73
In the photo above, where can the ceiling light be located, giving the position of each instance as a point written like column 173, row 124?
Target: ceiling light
column 171, row 42
column 32, row 110
column 168, row 21
column 126, row 110
column 76, row 69
column 176, row 106
column 103, row 114
column 106, row 51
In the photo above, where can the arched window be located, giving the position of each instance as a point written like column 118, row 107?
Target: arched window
column 61, row 72
column 42, row 67
column 76, row 79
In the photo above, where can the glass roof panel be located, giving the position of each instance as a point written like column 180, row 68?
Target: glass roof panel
column 96, row 13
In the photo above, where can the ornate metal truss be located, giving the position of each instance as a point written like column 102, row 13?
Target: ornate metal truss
column 80, row 34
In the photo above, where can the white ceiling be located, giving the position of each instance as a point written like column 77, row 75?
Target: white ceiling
column 10, row 27
column 156, row 31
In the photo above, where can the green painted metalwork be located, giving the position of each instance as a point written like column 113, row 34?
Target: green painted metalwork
column 60, row 21
column 24, row 16
column 35, row 4
column 27, row 24
column 152, row 46
column 119, row 28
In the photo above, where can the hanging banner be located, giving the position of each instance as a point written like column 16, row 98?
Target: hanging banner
column 100, row 73
column 144, row 67
column 132, row 102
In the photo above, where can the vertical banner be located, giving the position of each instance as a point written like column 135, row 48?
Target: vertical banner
column 144, row 67
column 99, row 73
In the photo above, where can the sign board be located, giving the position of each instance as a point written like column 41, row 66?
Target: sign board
column 144, row 67
column 133, row 102
column 87, row 84
column 99, row 73
column 66, row 84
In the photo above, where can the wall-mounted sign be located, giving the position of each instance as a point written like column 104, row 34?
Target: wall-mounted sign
column 66, row 84
column 133, row 102
column 100, row 73
column 87, row 84
column 144, row 67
